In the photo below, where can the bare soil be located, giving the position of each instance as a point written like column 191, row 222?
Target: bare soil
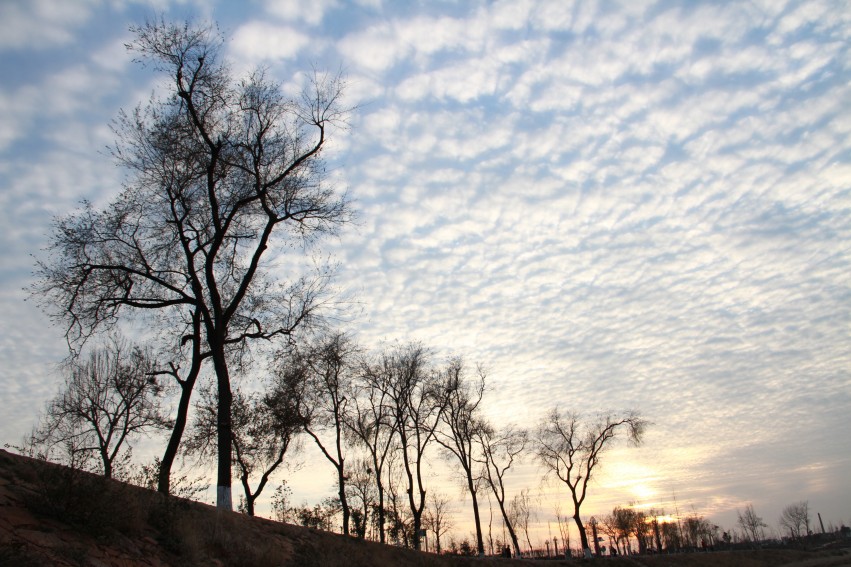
column 51, row 515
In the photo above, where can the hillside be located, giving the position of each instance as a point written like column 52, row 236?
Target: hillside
column 51, row 515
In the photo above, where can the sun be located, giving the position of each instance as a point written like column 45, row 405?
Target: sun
column 642, row 492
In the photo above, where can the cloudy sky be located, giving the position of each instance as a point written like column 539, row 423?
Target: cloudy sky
column 644, row 205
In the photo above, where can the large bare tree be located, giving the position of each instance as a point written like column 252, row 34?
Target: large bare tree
column 220, row 170
column 571, row 449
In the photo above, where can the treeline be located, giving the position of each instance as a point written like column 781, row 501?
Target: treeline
column 379, row 418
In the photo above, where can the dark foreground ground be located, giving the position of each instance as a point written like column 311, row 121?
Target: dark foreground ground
column 50, row 515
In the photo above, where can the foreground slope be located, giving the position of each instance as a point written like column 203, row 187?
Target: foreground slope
column 51, row 515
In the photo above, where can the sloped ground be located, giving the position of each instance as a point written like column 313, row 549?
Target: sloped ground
column 50, row 515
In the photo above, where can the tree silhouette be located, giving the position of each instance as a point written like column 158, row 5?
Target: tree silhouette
column 571, row 449
column 108, row 399
column 220, row 171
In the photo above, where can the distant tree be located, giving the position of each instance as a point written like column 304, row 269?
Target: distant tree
column 640, row 527
column 499, row 450
column 436, row 518
column 282, row 511
column 109, row 399
column 571, row 449
column 360, row 489
column 670, row 536
column 220, row 171
column 417, row 397
column 327, row 368
column 319, row 516
column 563, row 528
column 796, row 519
column 751, row 524
column 371, row 425
column 460, row 431
column 521, row 513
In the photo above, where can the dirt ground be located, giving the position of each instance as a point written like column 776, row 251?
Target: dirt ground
column 50, row 515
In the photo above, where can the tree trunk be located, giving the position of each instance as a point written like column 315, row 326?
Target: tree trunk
column 480, row 544
column 164, row 480
column 186, row 388
column 381, row 514
column 507, row 522
column 341, row 478
column 224, row 499
column 583, row 537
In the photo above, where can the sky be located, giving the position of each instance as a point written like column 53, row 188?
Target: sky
column 610, row 205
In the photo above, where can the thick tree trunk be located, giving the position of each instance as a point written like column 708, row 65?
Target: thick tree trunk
column 224, row 499
column 583, row 537
column 344, row 503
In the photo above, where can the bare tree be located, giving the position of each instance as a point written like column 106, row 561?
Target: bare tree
column 499, row 450
column 436, row 518
column 571, row 449
column 563, row 529
column 796, row 519
column 107, row 401
column 399, row 520
column 751, row 524
column 462, row 425
column 521, row 513
column 371, row 424
column 360, row 487
column 416, row 396
column 220, row 171
column 327, row 367
column 263, row 429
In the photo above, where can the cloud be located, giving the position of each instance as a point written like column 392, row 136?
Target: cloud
column 296, row 11
column 40, row 24
column 263, row 42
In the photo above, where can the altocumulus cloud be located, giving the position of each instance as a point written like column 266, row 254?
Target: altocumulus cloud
column 610, row 206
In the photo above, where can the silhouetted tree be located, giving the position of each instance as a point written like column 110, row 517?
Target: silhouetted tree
column 461, row 426
column 417, row 397
column 436, row 517
column 571, row 449
column 263, row 429
column 521, row 512
column 221, row 170
column 751, row 524
column 371, row 424
column 109, row 398
column 327, row 368
column 360, row 488
column 796, row 519
column 499, row 450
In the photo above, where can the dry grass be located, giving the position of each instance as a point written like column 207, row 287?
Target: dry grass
column 50, row 515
